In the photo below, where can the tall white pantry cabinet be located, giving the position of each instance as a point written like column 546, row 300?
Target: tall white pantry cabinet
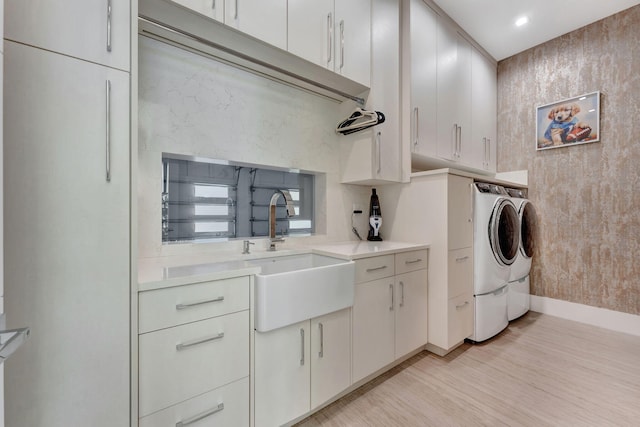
column 67, row 211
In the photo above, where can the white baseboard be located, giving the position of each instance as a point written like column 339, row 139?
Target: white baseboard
column 601, row 317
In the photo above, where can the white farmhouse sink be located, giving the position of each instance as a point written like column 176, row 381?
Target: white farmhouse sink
column 293, row 288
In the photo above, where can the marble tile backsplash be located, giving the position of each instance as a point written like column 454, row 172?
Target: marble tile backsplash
column 193, row 105
column 586, row 196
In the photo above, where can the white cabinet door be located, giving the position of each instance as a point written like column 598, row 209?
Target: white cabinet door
column 353, row 40
column 263, row 19
column 212, row 8
column 423, row 36
column 484, row 111
column 310, row 26
column 373, row 327
column 79, row 28
column 459, row 206
column 282, row 374
column 330, row 356
column 454, row 95
column 67, row 270
column 411, row 311
column 374, row 156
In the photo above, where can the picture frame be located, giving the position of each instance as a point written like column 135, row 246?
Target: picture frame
column 571, row 121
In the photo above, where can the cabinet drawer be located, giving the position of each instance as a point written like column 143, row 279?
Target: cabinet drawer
column 224, row 406
column 411, row 261
column 460, row 271
column 460, row 318
column 179, row 305
column 215, row 352
column 374, row 268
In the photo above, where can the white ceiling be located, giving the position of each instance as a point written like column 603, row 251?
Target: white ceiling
column 492, row 22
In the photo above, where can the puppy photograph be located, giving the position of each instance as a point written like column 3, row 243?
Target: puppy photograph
column 569, row 122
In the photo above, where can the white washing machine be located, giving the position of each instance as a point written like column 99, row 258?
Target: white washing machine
column 518, row 296
column 496, row 234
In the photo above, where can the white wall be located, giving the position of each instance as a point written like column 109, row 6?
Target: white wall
column 193, row 105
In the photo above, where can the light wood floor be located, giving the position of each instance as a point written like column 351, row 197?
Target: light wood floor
column 541, row 371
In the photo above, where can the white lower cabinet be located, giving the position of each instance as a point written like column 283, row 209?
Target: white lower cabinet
column 224, row 406
column 300, row 366
column 389, row 314
column 194, row 354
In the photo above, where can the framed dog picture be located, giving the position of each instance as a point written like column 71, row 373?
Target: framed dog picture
column 568, row 122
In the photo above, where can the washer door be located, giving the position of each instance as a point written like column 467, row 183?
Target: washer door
column 528, row 224
column 504, row 232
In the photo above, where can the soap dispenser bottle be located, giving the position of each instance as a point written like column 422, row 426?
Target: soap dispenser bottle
column 375, row 218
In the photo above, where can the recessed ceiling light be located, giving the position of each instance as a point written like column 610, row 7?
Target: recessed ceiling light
column 521, row 21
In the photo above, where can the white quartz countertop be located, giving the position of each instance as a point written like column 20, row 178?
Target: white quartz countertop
column 366, row 249
column 163, row 272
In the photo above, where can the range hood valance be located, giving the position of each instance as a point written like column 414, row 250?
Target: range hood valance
column 177, row 25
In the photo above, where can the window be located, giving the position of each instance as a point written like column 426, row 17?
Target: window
column 210, row 200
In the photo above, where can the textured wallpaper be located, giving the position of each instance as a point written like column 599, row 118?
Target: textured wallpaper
column 587, row 196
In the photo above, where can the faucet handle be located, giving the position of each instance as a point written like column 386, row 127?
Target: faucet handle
column 245, row 246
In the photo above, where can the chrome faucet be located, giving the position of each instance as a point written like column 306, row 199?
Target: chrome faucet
column 272, row 216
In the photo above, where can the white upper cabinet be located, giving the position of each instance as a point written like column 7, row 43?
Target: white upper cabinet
column 352, row 41
column 423, row 38
column 263, row 19
column 452, row 106
column 484, row 105
column 333, row 34
column 454, row 95
column 311, row 31
column 96, row 31
column 212, row 8
column 374, row 156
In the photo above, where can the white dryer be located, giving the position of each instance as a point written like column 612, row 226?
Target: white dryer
column 518, row 295
column 496, row 234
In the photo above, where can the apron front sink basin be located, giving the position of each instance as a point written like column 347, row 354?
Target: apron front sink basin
column 293, row 288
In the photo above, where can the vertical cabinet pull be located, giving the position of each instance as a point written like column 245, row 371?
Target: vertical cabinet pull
column 341, row 44
column 301, row 347
column 108, row 25
column 108, row 129
column 455, row 140
column 401, row 294
column 488, row 152
column 329, row 37
column 235, row 16
column 379, row 160
column 392, row 299
column 321, row 352
column 213, row 4
column 201, row 416
column 459, row 140
column 416, row 113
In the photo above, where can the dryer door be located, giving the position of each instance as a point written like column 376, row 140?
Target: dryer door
column 528, row 224
column 504, row 232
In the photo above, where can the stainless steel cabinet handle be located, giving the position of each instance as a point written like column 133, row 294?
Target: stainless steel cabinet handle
column 455, row 140
column 301, row 347
column 108, row 25
column 417, row 127
column 378, row 136
column 197, row 303
column 321, row 352
column 108, row 129
column 462, row 259
column 459, row 138
column 369, row 270
column 488, row 152
column 341, row 44
column 461, row 306
column 401, row 294
column 185, row 345
column 329, row 37
column 213, row 4
column 235, row 16
column 413, row 261
column 201, row 416
column 392, row 299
